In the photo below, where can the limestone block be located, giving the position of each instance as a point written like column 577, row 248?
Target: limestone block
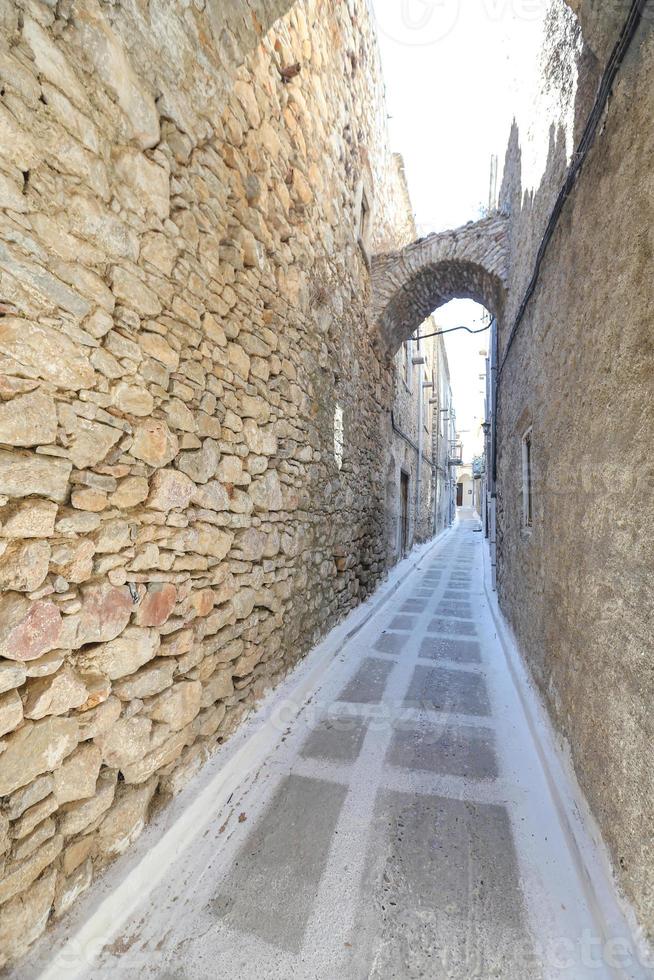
column 159, row 251
column 52, row 64
column 90, row 500
column 238, row 360
column 156, row 605
column 177, row 643
column 154, row 443
column 48, row 352
column 54, row 695
column 147, row 681
column 92, row 221
column 128, row 740
column 32, row 817
column 130, row 290
column 77, row 776
column 27, row 629
column 130, row 492
column 20, row 876
column 111, row 63
column 32, row 519
column 243, row 602
column 201, row 465
column 76, row 853
column 90, row 442
column 24, row 918
column 99, row 720
column 149, row 181
column 133, row 400
column 211, row 496
column 112, row 537
column 12, row 675
column 25, row 798
column 167, row 752
column 170, row 490
column 74, row 560
column 24, row 566
column 105, row 612
column 266, row 492
column 11, row 195
column 219, row 685
column 158, row 348
column 249, row 544
column 189, row 765
column 70, row 888
column 230, row 471
column 11, row 711
column 76, row 817
column 253, row 407
column 98, row 689
column 28, row 420
column 178, row 705
column 49, row 662
column 123, row 655
column 126, row 819
column 28, row 845
column 22, row 476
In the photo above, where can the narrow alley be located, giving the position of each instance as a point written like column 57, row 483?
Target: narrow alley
column 326, row 414
column 402, row 824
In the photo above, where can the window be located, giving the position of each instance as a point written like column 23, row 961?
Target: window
column 338, row 436
column 364, row 218
column 363, row 214
column 407, row 366
column 527, row 480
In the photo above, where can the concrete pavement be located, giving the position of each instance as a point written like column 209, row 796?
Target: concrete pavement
column 401, row 826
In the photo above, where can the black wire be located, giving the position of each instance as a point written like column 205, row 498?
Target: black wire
column 439, row 333
column 627, row 35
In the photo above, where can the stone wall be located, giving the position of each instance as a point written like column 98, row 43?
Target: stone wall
column 577, row 586
column 194, row 416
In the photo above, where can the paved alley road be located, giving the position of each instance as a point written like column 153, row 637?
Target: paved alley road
column 402, row 827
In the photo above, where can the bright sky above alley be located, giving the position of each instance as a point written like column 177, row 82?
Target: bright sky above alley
column 473, row 63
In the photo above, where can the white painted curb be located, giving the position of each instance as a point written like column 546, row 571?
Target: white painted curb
column 613, row 916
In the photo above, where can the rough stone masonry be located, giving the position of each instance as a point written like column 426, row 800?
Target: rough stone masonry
column 184, row 303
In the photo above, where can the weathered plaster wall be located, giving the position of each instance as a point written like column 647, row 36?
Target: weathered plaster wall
column 184, row 307
column 577, row 587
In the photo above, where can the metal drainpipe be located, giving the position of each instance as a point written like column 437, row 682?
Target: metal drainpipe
column 419, row 467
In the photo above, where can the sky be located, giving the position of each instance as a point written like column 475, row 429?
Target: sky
column 457, row 72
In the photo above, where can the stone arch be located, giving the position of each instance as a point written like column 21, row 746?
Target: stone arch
column 466, row 263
